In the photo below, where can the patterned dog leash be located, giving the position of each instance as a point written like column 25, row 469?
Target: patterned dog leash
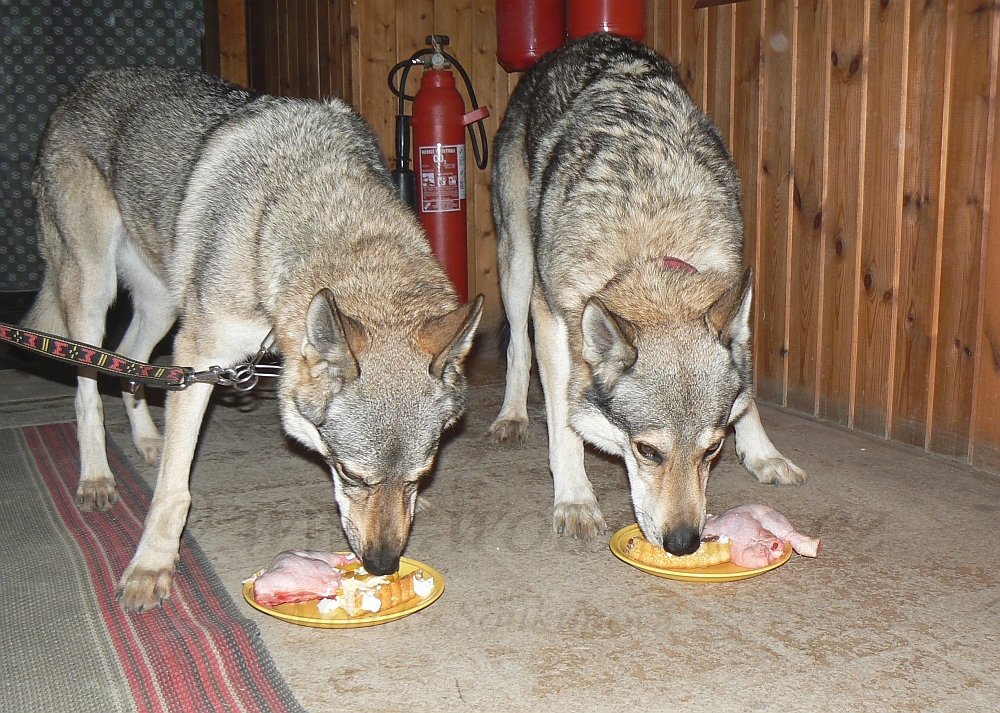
column 242, row 377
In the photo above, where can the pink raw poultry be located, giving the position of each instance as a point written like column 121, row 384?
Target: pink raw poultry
column 300, row 575
column 757, row 534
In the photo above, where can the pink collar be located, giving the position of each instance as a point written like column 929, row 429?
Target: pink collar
column 668, row 261
column 675, row 263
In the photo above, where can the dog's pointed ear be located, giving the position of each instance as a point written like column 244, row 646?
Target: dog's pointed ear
column 606, row 345
column 327, row 346
column 448, row 338
column 729, row 317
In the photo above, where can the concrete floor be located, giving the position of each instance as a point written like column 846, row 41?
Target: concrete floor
column 900, row 612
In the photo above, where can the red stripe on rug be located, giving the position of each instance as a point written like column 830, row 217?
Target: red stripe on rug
column 193, row 653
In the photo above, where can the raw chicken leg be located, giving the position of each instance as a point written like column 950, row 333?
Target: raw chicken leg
column 757, row 534
column 300, row 575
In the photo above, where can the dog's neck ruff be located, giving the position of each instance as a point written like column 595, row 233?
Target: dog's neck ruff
column 668, row 261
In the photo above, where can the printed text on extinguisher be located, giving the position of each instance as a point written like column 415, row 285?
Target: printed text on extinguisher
column 442, row 177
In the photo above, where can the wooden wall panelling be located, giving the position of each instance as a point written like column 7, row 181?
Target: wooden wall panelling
column 414, row 22
column 848, row 68
column 915, row 330
column 334, row 47
column 880, row 217
column 963, row 229
column 986, row 412
column 490, row 82
column 805, row 306
column 309, row 61
column 773, row 183
column 374, row 22
column 232, row 43
column 746, row 104
column 262, row 44
column 662, row 28
column 691, row 46
column 719, row 69
column 287, row 49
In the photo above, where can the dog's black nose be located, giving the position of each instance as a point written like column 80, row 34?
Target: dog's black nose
column 380, row 562
column 682, row 541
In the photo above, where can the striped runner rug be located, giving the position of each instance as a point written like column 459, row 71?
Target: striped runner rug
column 66, row 645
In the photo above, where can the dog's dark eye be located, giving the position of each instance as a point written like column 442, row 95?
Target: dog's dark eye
column 648, row 452
column 713, row 450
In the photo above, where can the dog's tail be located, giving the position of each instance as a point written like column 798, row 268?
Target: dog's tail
column 45, row 314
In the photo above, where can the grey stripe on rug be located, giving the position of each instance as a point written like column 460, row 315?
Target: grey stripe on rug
column 55, row 652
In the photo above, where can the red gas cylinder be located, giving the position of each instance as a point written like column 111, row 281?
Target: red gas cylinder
column 527, row 29
column 439, row 123
column 623, row 17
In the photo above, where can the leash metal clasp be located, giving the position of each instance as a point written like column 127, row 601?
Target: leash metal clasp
column 242, row 377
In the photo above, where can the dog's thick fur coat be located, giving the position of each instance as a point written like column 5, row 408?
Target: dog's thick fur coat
column 617, row 209
column 241, row 214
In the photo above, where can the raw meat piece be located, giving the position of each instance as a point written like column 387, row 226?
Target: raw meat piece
column 757, row 534
column 300, row 575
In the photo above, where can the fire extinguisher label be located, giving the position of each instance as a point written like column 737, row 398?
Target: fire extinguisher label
column 442, row 178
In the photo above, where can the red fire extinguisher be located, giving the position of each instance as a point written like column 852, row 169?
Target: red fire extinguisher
column 527, row 29
column 436, row 187
column 623, row 17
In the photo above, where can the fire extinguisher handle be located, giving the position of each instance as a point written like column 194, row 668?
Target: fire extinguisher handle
column 476, row 115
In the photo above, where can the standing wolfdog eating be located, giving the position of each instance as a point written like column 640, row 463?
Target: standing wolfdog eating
column 240, row 215
column 617, row 209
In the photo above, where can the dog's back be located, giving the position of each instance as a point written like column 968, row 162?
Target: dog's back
column 623, row 166
column 121, row 144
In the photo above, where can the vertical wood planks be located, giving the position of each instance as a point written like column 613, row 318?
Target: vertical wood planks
column 773, row 182
column 880, row 216
column 805, row 308
column 986, row 412
column 691, row 51
column 376, row 27
column 719, row 69
column 961, row 239
column 490, row 82
column 746, row 107
column 915, row 328
column 848, row 70
column 232, row 41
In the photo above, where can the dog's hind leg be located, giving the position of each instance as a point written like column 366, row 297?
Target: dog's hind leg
column 153, row 314
column 575, row 510
column 516, row 263
column 79, row 224
column 758, row 454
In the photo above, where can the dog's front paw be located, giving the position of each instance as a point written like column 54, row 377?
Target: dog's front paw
column 775, row 471
column 142, row 589
column 96, row 493
column 509, row 431
column 582, row 521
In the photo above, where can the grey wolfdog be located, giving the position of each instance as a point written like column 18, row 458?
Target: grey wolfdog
column 617, row 209
column 240, row 215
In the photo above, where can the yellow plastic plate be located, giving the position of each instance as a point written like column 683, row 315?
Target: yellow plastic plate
column 725, row 572
column 307, row 613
